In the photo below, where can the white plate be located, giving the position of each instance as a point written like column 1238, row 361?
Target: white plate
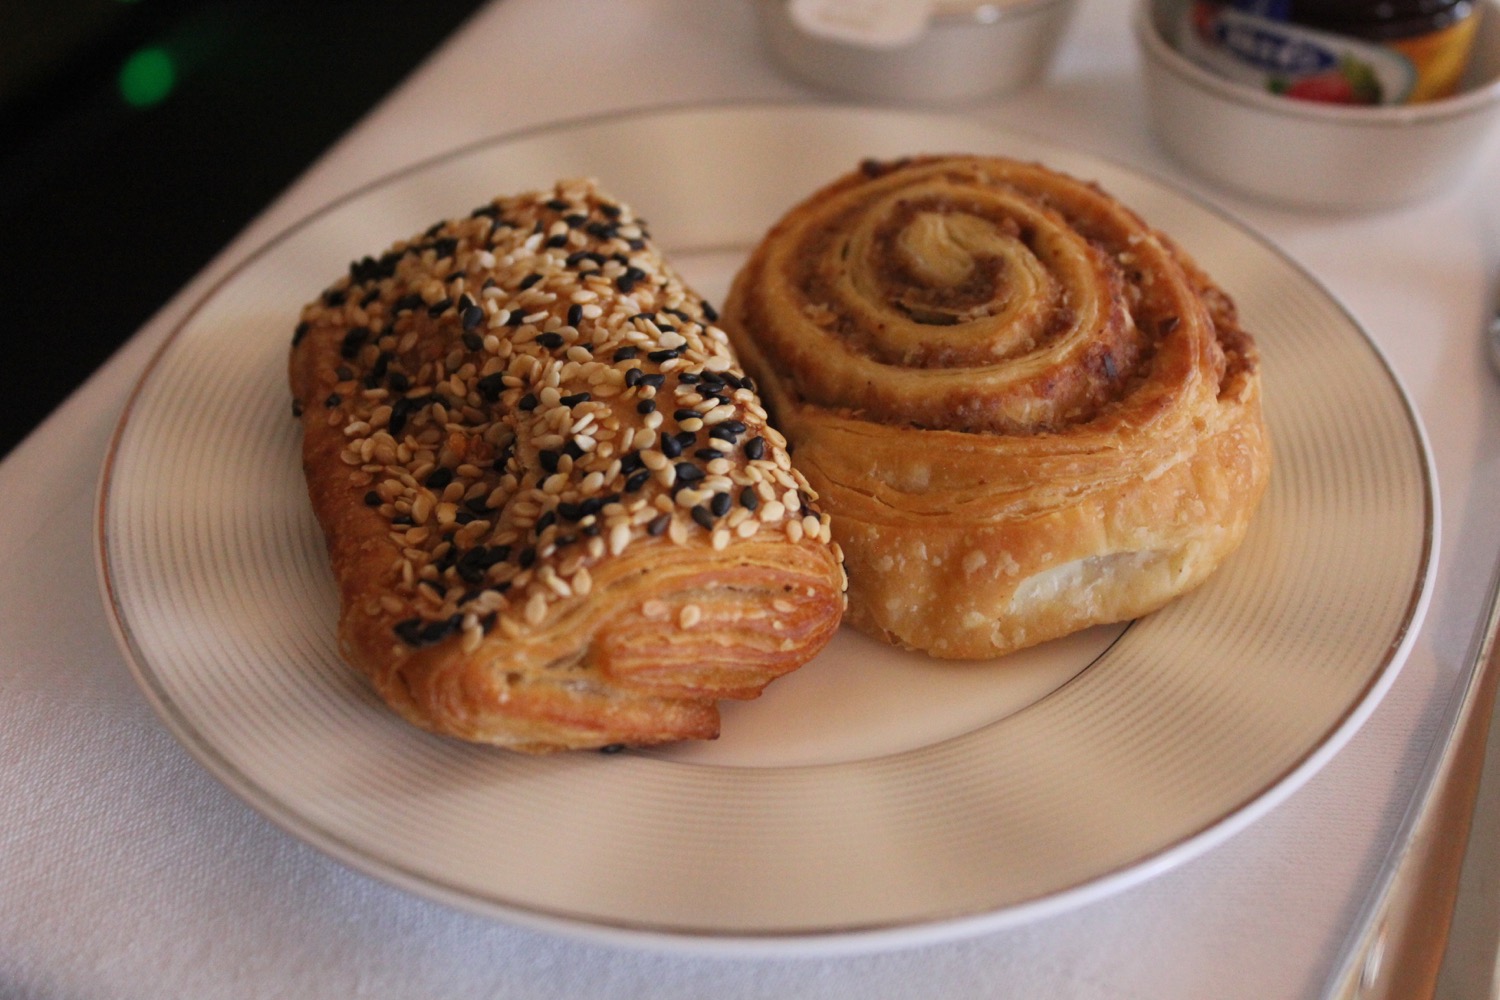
column 874, row 798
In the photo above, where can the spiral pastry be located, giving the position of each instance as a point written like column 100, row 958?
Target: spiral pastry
column 1025, row 411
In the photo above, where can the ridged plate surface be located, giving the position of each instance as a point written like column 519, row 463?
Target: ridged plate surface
column 874, row 798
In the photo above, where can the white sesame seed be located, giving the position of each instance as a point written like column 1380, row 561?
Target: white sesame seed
column 619, row 537
column 536, row 607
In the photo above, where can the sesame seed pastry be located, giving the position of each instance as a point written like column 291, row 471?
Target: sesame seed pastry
column 1026, row 411
column 554, row 508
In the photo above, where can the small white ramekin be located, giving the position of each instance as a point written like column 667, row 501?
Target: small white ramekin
column 1308, row 155
column 969, row 50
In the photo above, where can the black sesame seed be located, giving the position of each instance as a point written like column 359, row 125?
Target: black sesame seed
column 703, row 516
column 575, row 219
column 670, row 447
column 528, row 281
column 685, row 414
column 409, row 631
column 755, row 448
column 573, row 450
column 723, row 432
column 372, row 499
column 689, row 378
column 575, row 314
column 645, row 405
column 658, row 524
column 634, row 376
column 439, row 478
column 296, row 407
column 749, row 499
column 637, row 479
column 300, row 332
column 491, row 386
column 353, row 340
column 544, row 522
column 344, row 373
column 473, row 341
column 687, row 472
column 707, row 454
column 439, row 307
column 574, row 399
column 516, row 318
column 665, row 354
column 626, row 353
column 334, row 297
column 558, row 205
column 473, row 316
column 631, row 461
column 527, row 557
column 549, row 459
column 402, row 521
column 407, row 303
column 334, row 399
column 527, row 402
column 686, row 439
column 625, row 283
column 400, row 410
column 560, row 240
column 654, row 381
column 720, row 504
column 551, row 341
column 710, row 313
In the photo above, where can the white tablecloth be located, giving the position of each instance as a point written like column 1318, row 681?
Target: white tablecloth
column 127, row 871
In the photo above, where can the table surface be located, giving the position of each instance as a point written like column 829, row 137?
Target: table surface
column 127, row 870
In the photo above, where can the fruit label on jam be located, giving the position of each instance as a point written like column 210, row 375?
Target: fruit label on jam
column 1289, row 59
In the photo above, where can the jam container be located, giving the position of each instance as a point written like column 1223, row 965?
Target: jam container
column 1334, row 51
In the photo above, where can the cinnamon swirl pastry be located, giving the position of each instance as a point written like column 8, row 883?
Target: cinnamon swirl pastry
column 1026, row 411
column 554, row 509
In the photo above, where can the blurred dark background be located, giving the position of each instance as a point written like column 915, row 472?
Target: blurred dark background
column 137, row 137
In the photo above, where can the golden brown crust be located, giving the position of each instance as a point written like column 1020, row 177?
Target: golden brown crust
column 1025, row 410
column 556, row 513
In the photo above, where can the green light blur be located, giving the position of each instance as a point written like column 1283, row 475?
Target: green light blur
column 147, row 77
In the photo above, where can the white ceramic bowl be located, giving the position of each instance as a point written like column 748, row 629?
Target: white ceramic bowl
column 1304, row 154
column 970, row 49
